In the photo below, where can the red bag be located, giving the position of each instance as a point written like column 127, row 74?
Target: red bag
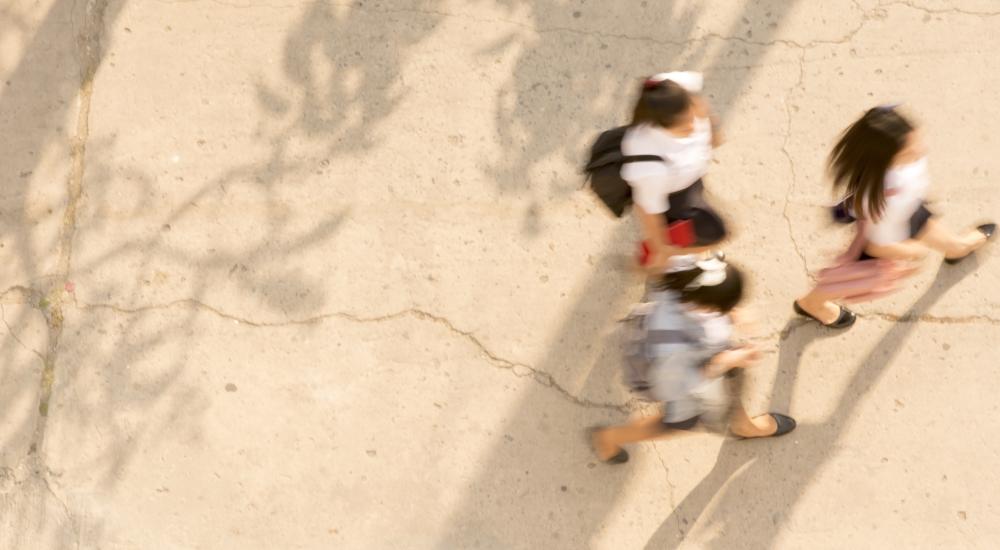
column 680, row 233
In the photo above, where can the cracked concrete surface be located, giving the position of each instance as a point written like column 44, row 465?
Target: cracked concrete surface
column 269, row 268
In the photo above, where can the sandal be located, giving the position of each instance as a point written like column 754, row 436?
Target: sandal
column 987, row 229
column 620, row 458
column 844, row 320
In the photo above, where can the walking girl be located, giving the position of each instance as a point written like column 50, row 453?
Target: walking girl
column 685, row 358
column 880, row 166
column 671, row 122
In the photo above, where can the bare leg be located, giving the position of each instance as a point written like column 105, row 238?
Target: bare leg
column 937, row 236
column 608, row 441
column 759, row 426
column 818, row 305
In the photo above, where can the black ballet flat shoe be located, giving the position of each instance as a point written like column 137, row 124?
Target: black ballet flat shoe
column 988, row 229
column 620, row 458
column 785, row 424
column 844, row 320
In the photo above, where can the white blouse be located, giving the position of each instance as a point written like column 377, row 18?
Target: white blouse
column 906, row 189
column 687, row 161
column 687, row 157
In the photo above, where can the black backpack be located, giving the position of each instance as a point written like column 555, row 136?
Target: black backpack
column 604, row 170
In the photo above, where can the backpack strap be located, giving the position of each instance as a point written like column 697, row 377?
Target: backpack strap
column 642, row 158
column 668, row 337
column 618, row 158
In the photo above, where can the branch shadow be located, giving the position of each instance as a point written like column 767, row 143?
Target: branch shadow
column 122, row 378
column 783, row 468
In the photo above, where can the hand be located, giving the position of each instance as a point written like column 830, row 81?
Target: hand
column 744, row 321
column 737, row 358
column 657, row 262
column 747, row 355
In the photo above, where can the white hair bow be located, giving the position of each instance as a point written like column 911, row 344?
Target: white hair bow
column 689, row 80
column 713, row 272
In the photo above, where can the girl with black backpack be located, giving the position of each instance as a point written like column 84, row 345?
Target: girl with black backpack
column 673, row 122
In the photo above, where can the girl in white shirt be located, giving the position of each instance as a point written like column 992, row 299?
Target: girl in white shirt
column 672, row 121
column 881, row 164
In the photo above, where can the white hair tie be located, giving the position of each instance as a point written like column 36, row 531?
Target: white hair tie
column 713, row 273
column 689, row 80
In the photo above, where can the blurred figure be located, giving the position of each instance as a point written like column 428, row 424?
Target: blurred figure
column 672, row 122
column 880, row 165
column 680, row 353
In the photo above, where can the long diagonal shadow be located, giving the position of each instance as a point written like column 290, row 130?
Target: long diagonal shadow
column 781, row 469
column 541, row 456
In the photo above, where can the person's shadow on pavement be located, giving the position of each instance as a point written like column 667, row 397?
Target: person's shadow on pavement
column 767, row 477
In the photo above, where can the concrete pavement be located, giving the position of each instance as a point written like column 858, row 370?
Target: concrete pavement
column 290, row 274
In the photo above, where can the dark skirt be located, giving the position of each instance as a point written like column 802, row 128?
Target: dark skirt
column 690, row 204
column 918, row 221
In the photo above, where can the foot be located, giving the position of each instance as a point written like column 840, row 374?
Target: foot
column 979, row 237
column 606, row 453
column 832, row 316
column 768, row 425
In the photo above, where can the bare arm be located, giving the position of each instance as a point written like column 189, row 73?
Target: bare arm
column 654, row 229
column 730, row 359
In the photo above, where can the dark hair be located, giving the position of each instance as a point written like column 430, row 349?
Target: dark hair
column 723, row 296
column 861, row 158
column 661, row 103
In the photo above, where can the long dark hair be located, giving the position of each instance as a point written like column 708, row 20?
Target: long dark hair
column 863, row 154
column 661, row 103
column 723, row 296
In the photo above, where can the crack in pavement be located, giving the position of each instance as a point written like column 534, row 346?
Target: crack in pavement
column 928, row 318
column 28, row 295
column 791, row 163
column 89, row 50
column 847, row 37
column 671, row 499
column 50, row 303
column 62, row 502
column 925, row 9
column 935, row 319
column 520, row 370
column 10, row 330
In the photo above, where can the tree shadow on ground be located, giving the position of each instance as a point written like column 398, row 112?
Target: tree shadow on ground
column 332, row 99
column 783, row 468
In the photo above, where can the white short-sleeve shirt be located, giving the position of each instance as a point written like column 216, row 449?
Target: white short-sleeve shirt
column 688, row 157
column 906, row 189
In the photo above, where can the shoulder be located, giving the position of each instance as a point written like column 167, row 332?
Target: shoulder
column 642, row 139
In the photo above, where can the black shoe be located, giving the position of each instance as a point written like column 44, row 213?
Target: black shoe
column 785, row 424
column 844, row 320
column 620, row 458
column 987, row 229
